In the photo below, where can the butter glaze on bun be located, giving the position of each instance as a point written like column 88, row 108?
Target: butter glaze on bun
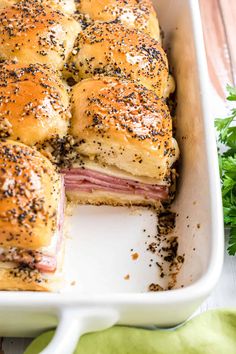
column 30, row 190
column 121, row 123
column 131, row 13
column 112, row 49
column 31, row 32
column 34, row 104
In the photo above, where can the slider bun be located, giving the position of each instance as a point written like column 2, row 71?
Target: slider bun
column 131, row 13
column 25, row 279
column 35, row 33
column 122, row 123
column 112, row 49
column 67, row 6
column 110, row 198
column 34, row 104
column 29, row 196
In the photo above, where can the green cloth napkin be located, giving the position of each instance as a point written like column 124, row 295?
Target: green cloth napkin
column 213, row 332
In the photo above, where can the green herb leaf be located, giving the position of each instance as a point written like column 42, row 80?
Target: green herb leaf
column 227, row 164
column 232, row 241
column 222, row 125
column 232, row 93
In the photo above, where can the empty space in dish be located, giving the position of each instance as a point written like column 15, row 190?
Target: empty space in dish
column 107, row 250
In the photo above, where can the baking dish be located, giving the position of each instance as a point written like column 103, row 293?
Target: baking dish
column 105, row 285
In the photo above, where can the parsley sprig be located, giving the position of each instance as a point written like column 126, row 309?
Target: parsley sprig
column 227, row 162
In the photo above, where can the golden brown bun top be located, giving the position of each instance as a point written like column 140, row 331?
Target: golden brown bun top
column 34, row 103
column 122, row 123
column 34, row 33
column 114, row 50
column 127, row 109
column 29, row 194
column 67, row 6
column 132, row 13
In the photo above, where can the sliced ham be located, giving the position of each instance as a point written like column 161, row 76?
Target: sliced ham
column 47, row 264
column 86, row 180
column 33, row 259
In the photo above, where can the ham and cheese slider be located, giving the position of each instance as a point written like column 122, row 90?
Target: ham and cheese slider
column 34, row 32
column 124, row 138
column 112, row 49
column 131, row 13
column 31, row 220
column 34, row 107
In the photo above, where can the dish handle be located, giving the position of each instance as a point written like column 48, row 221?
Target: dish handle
column 75, row 322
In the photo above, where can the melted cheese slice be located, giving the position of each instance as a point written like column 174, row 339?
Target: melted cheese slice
column 116, row 172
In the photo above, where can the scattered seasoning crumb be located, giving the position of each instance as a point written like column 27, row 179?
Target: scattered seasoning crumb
column 198, row 226
column 152, row 247
column 155, row 287
column 165, row 247
column 166, row 222
column 73, row 283
column 126, row 277
column 135, row 256
column 180, row 259
column 131, row 250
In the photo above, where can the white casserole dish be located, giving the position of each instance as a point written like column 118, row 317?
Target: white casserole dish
column 100, row 240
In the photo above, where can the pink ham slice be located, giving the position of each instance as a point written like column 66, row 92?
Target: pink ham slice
column 34, row 260
column 47, row 264
column 86, row 180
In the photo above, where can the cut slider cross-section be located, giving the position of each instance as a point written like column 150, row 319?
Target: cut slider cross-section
column 31, row 220
column 124, row 141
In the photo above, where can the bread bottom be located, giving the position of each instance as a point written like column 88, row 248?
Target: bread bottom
column 114, row 199
column 15, row 277
column 26, row 279
column 23, row 279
